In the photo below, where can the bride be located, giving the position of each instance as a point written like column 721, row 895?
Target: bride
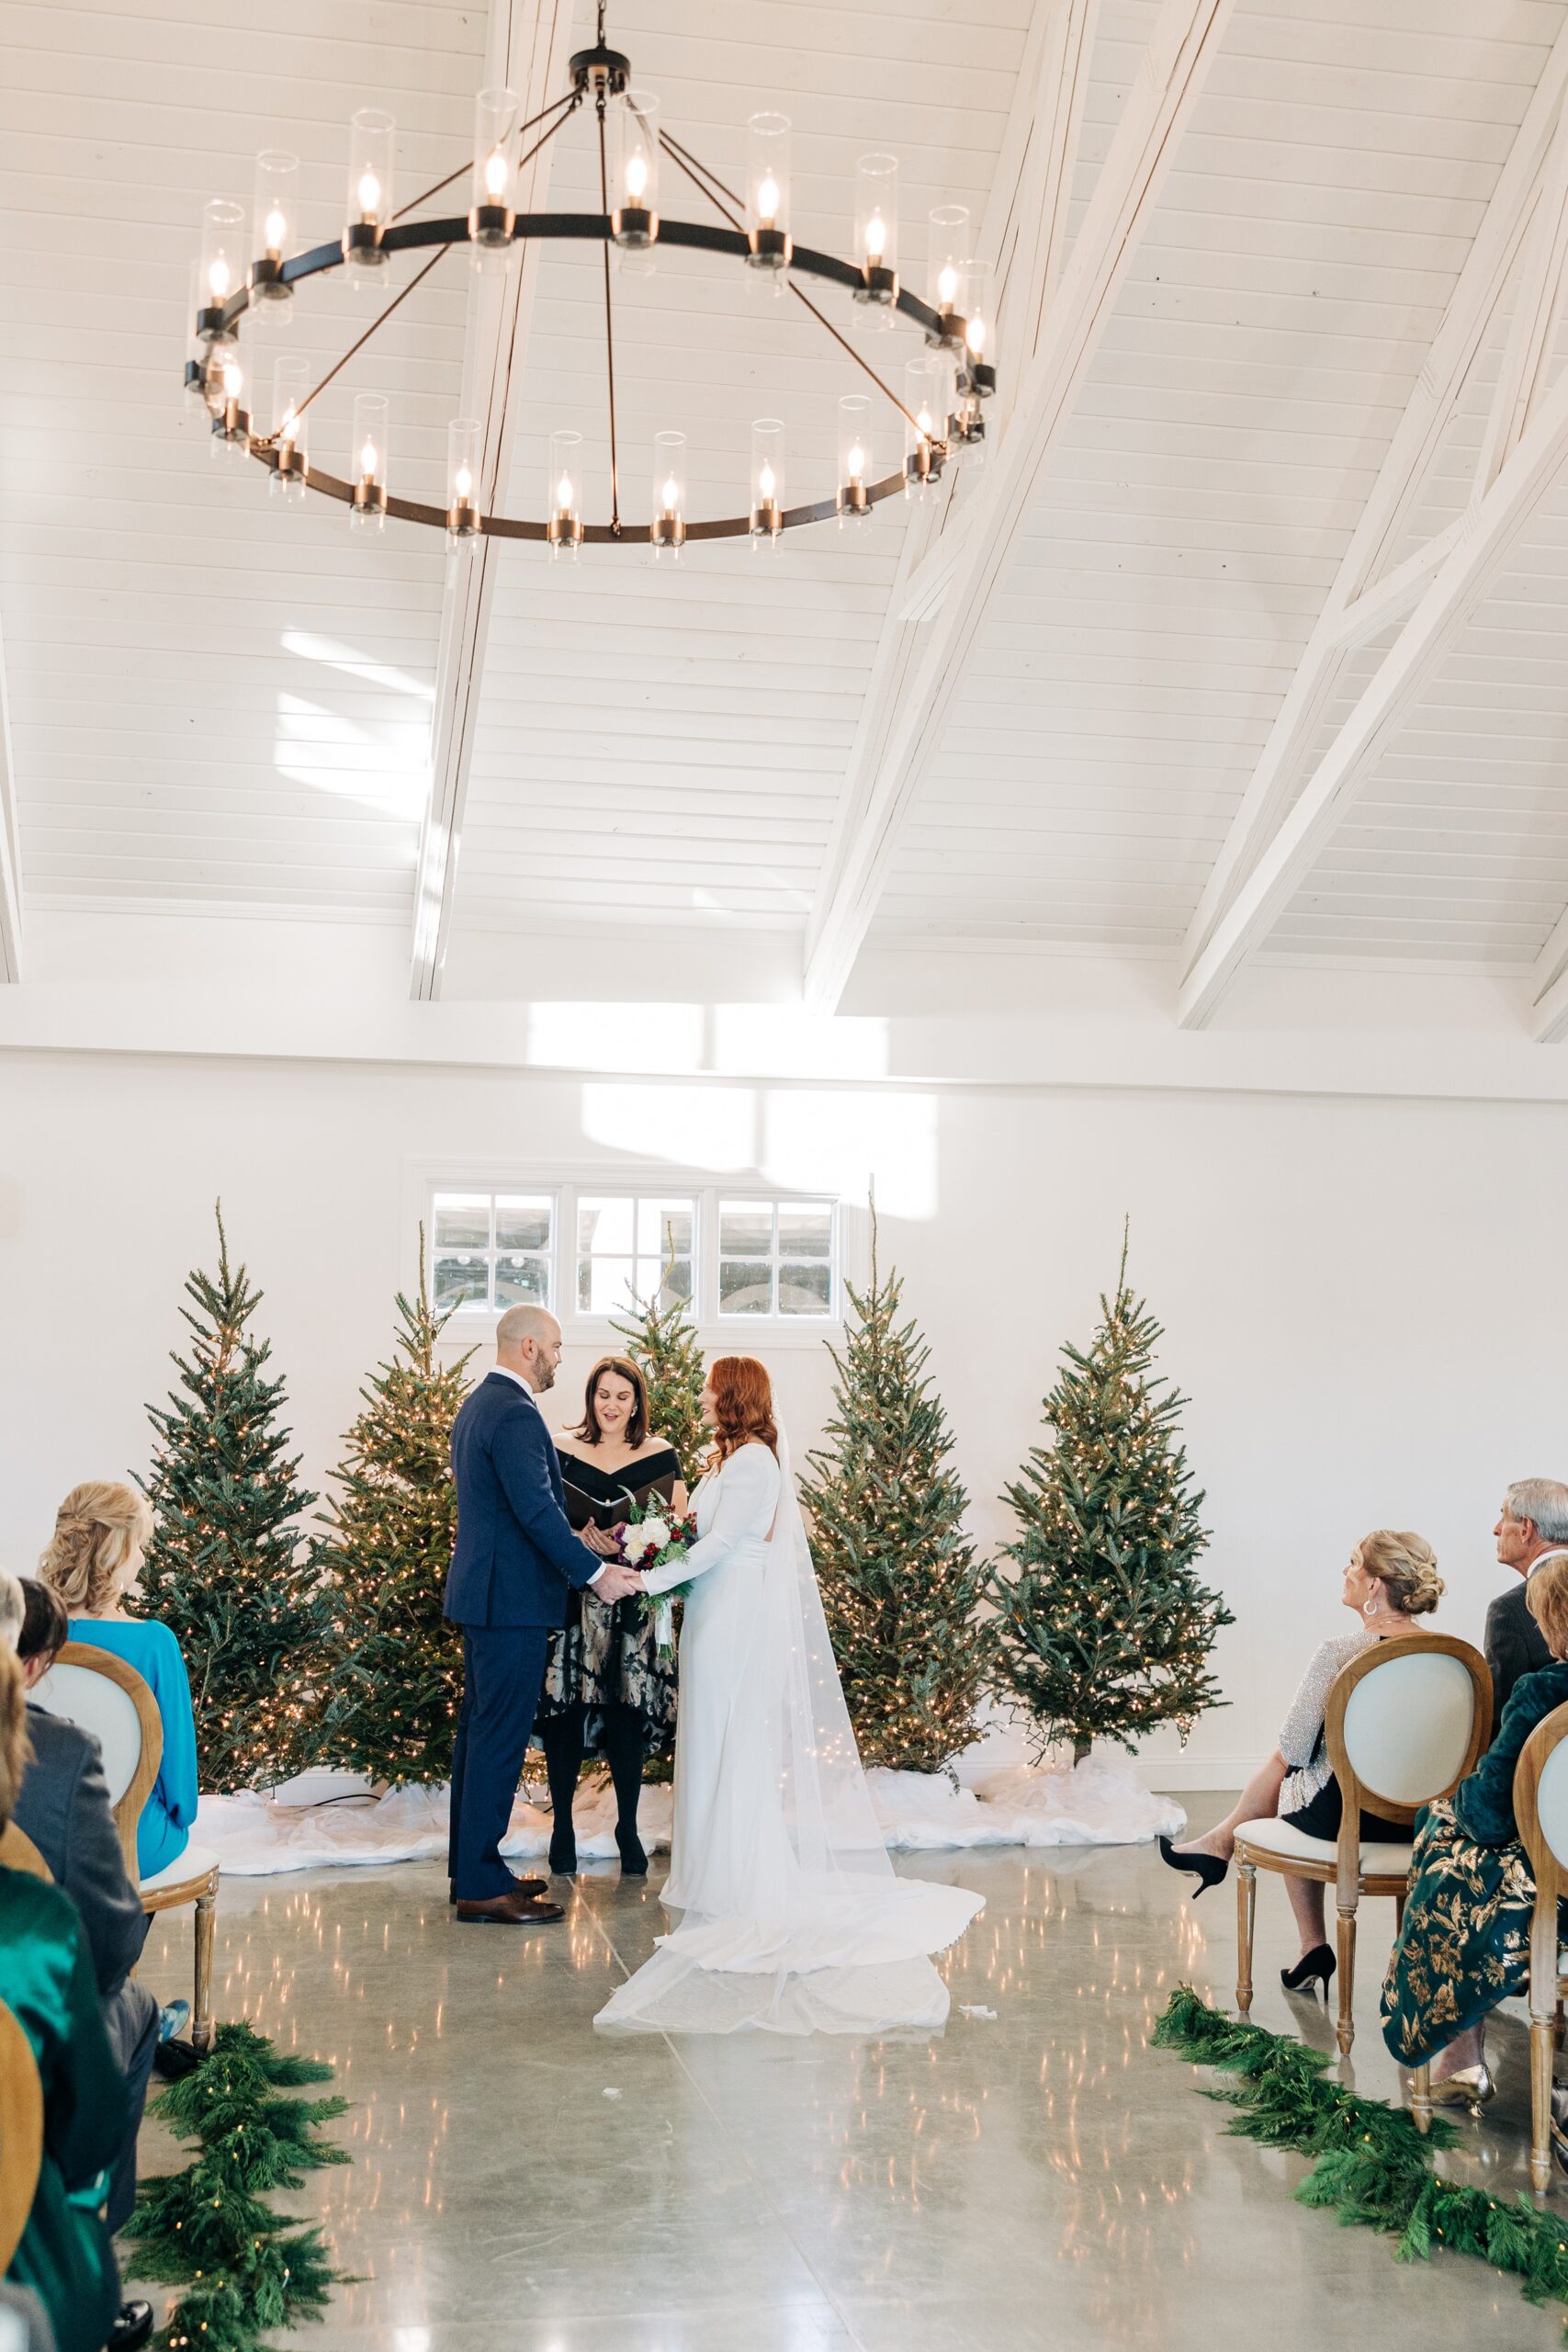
column 792, row 1919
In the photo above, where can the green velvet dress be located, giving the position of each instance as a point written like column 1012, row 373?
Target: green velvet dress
column 1464, row 1943
column 46, row 1981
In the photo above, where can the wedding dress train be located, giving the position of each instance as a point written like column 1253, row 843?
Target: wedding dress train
column 792, row 1919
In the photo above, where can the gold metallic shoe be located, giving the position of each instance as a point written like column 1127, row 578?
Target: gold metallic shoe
column 1469, row 2087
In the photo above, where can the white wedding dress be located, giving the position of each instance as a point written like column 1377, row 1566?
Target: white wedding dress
column 794, row 1920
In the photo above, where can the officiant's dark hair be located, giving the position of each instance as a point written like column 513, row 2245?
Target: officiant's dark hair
column 637, row 1423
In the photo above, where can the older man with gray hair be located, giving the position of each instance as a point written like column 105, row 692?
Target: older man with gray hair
column 1531, row 1527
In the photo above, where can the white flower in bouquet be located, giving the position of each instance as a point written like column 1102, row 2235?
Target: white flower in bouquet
column 643, row 1536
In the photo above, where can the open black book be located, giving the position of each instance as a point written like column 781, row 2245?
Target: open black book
column 608, row 1502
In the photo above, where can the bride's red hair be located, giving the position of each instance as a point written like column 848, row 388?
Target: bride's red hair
column 743, row 1406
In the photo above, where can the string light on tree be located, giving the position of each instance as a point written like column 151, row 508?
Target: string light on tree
column 1104, row 1629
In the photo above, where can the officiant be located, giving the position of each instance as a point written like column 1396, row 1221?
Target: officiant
column 607, row 1691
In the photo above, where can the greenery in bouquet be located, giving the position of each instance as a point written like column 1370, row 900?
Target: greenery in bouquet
column 1105, row 1629
column 652, row 1539
column 228, row 1570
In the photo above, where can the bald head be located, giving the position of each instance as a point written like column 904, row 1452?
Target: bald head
column 528, row 1342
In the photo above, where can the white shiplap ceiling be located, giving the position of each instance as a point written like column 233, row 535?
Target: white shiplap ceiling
column 219, row 705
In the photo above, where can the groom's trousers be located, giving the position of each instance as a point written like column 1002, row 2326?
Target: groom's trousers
column 503, row 1674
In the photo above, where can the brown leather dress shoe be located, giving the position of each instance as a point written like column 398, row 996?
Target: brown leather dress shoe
column 519, row 1886
column 517, row 1910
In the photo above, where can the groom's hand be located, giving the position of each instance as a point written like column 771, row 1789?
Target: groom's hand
column 617, row 1583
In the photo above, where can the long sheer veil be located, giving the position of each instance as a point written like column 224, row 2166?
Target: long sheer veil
column 793, row 1917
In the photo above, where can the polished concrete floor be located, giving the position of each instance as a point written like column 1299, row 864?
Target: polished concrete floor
column 1038, row 2178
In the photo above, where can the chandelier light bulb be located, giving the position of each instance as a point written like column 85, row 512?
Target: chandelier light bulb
column 637, row 176
column 275, row 231
column 875, row 237
column 563, row 493
column 671, row 493
column 495, row 172
column 767, row 480
column 856, row 462
column 369, row 194
column 924, row 421
column 947, row 286
column 768, row 202
column 368, row 461
column 233, row 376
column 463, row 482
column 975, row 334
column 217, row 280
column 288, row 431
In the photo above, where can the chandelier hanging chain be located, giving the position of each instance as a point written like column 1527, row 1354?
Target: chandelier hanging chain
column 609, row 320
column 699, row 173
column 944, row 393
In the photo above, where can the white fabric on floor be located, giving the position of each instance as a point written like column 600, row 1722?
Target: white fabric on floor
column 336, row 1817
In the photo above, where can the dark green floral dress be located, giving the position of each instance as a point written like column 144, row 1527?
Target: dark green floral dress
column 1464, row 1943
column 609, row 1656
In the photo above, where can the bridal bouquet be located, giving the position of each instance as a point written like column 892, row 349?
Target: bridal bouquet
column 649, row 1540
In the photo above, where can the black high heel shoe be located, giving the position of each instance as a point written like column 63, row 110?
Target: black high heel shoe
column 1208, row 1868
column 1314, row 1967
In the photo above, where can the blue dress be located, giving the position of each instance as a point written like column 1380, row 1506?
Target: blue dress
column 163, row 1831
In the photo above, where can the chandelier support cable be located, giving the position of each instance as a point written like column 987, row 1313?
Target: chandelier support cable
column 563, row 105
column 699, row 173
column 609, row 320
column 380, row 321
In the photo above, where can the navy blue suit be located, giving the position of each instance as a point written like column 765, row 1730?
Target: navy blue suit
column 513, row 1565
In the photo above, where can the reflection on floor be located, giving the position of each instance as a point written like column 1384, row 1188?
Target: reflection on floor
column 1038, row 2180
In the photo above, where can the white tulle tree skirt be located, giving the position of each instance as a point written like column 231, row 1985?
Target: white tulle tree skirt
column 1000, row 1800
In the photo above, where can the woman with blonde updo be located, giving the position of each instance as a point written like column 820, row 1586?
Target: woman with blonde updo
column 1391, row 1582
column 101, row 1531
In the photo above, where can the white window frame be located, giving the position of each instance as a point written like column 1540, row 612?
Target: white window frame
column 471, row 1325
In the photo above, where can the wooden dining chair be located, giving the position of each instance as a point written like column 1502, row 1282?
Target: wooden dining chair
column 1405, row 1722
column 92, row 1687
column 18, row 1853
column 21, row 2134
column 1541, row 1808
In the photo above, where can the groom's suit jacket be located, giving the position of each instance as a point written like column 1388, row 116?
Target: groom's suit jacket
column 515, row 1555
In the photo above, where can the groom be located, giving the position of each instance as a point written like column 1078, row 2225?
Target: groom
column 514, row 1559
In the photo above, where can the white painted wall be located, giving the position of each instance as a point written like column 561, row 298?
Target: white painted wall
column 1363, row 1297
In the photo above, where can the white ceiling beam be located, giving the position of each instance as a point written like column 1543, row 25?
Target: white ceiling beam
column 1491, row 530
column 1397, row 593
column 1022, row 235
column 527, row 51
column 1549, row 985
column 11, row 852
column 1073, row 314
column 1521, row 378
column 1391, row 502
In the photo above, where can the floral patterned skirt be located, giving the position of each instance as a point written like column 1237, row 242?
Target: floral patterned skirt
column 608, row 1656
column 1464, row 1944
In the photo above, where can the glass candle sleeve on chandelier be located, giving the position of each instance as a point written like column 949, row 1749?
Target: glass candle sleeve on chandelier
column 372, row 140
column 563, row 497
column 223, row 264
column 667, row 528
column 767, row 194
column 949, row 255
column 767, row 478
column 924, row 422
column 634, row 170
column 876, row 233
column 854, row 454
column 463, row 437
column 977, row 361
column 493, row 212
column 232, row 418
column 368, row 468
column 290, row 383
column 274, row 213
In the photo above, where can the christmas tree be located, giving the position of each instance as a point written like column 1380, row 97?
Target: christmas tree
column 662, row 1341
column 1104, row 1628
column 899, row 1577
column 396, row 1667
column 225, row 1569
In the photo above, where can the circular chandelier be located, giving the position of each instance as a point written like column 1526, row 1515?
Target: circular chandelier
column 941, row 405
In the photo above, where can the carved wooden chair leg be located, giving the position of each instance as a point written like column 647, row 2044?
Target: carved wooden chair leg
column 1347, row 2028
column 201, row 2028
column 1245, row 1919
column 1421, row 2098
column 1542, row 2028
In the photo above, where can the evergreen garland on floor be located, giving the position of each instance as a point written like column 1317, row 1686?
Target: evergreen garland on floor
column 245, row 2269
column 1373, row 2165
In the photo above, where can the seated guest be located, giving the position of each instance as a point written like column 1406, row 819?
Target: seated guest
column 1465, row 1941
column 1391, row 1580
column 65, row 2255
column 100, row 1535
column 64, row 1806
column 1532, row 1526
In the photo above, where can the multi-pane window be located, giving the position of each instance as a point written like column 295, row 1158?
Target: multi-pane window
column 493, row 1249
column 775, row 1256
column 631, row 1245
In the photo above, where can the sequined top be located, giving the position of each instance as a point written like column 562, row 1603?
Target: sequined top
column 1301, row 1734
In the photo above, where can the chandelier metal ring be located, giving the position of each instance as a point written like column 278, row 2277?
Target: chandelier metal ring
column 411, row 236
